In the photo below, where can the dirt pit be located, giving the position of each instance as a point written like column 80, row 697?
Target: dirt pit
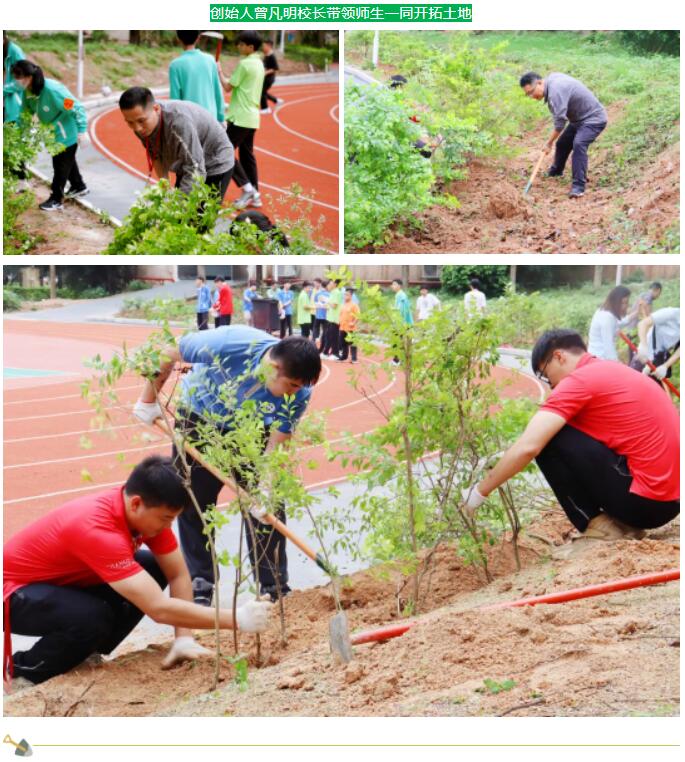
column 573, row 659
column 507, row 203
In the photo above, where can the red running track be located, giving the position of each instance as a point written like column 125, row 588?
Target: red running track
column 295, row 145
column 46, row 420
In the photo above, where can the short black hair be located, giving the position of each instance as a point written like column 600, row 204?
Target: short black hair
column 475, row 283
column 557, row 338
column 218, row 278
column 349, row 290
column 398, row 281
column 656, row 284
column 306, row 283
column 29, row 69
column 187, row 37
column 263, row 223
column 251, row 38
column 529, row 78
column 200, row 277
column 318, row 280
column 397, row 80
column 136, row 96
column 300, row 359
column 268, row 41
column 158, row 483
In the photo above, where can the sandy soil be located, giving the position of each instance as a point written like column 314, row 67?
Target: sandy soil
column 73, row 230
column 610, row 655
column 494, row 216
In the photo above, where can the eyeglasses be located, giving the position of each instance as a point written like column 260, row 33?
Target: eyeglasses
column 541, row 372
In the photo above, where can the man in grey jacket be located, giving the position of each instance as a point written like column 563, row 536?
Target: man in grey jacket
column 179, row 137
column 578, row 118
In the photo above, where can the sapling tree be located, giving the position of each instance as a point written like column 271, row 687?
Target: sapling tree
column 231, row 444
column 449, row 421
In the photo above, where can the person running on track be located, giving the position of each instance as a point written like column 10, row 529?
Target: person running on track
column 277, row 377
column 245, row 89
column 179, row 137
column 607, row 441
column 53, row 104
column 79, row 579
column 193, row 77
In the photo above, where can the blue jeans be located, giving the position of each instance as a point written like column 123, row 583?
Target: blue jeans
column 576, row 138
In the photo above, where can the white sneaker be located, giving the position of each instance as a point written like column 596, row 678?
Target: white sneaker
column 256, row 200
column 279, row 101
column 244, row 199
column 264, row 110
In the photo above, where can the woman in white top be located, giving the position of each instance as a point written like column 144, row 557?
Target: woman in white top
column 608, row 321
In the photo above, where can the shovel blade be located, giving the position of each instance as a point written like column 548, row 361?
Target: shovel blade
column 23, row 749
column 339, row 634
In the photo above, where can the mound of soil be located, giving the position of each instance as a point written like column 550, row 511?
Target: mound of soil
column 494, row 216
column 573, row 659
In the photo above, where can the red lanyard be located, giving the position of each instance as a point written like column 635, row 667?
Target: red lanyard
column 159, row 142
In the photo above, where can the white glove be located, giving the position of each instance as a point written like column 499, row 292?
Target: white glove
column 82, row 139
column 472, row 499
column 258, row 510
column 184, row 649
column 147, row 412
column 643, row 353
column 660, row 372
column 253, row 616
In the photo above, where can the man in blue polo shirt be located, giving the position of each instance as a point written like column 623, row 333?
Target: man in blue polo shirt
column 276, row 375
column 193, row 77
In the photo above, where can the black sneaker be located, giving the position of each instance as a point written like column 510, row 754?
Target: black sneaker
column 51, row 205
column 203, row 592
column 551, row 172
column 576, row 193
column 76, row 192
column 272, row 592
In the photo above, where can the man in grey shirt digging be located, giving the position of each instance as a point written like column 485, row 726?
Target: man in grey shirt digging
column 578, row 119
column 179, row 137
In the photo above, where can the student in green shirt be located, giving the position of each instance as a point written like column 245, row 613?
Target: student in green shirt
column 331, row 347
column 245, row 87
column 403, row 306
column 53, row 104
column 305, row 314
column 11, row 92
column 193, row 77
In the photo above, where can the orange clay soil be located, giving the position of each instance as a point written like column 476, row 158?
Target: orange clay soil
column 494, row 216
column 609, row 655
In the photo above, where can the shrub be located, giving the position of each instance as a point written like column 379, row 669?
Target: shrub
column 318, row 57
column 455, row 278
column 138, row 285
column 10, row 301
column 665, row 41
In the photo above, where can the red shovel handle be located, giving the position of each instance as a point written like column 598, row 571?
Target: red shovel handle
column 650, row 365
column 218, row 49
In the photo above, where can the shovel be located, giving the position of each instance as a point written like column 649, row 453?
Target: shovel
column 651, row 365
column 340, row 643
column 23, row 748
column 220, row 41
column 535, row 172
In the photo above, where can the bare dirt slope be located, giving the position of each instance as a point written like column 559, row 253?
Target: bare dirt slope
column 494, row 216
column 609, row 655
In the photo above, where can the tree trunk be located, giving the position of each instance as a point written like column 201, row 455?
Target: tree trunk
column 405, row 275
column 597, row 277
column 53, row 282
column 512, row 277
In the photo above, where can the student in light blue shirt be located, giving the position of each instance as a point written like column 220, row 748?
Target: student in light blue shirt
column 285, row 307
column 276, row 379
column 204, row 303
column 249, row 294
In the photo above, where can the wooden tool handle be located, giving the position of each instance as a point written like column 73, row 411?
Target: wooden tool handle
column 268, row 518
column 537, row 168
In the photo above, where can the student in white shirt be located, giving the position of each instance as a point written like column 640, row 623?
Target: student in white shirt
column 474, row 300
column 426, row 303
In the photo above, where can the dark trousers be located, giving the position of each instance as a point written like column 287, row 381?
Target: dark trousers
column 576, row 138
column 65, row 168
column 286, row 325
column 331, row 339
column 588, row 479
column 346, row 347
column 245, row 169
column 222, row 320
column 220, row 182
column 202, row 321
column 266, row 95
column 73, row 622
column 306, row 329
column 206, row 488
column 318, row 329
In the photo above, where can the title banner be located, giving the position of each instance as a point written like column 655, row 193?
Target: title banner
column 346, row 14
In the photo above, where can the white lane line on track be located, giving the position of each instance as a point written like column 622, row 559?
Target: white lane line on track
column 332, row 113
column 61, row 397
column 294, row 132
column 34, row 463
column 297, row 163
column 126, row 166
column 94, row 432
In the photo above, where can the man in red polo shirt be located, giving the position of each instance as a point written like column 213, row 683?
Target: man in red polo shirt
column 78, row 578
column 224, row 303
column 606, row 439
